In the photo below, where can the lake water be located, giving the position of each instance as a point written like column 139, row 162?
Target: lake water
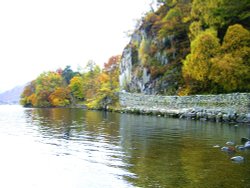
column 75, row 148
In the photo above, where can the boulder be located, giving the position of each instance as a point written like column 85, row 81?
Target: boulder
column 247, row 144
column 230, row 143
column 237, row 158
column 244, row 139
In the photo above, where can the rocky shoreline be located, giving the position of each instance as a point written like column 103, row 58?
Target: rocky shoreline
column 232, row 108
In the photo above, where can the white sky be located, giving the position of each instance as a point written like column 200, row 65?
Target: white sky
column 43, row 35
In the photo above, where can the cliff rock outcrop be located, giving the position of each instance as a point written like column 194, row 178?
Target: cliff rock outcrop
column 151, row 62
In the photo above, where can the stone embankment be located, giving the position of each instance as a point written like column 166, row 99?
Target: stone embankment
column 233, row 107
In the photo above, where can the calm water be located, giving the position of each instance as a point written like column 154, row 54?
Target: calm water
column 74, row 148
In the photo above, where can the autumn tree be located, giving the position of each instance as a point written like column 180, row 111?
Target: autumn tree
column 174, row 21
column 197, row 65
column 38, row 92
column 111, row 68
column 109, row 82
column 60, row 97
column 76, row 87
column 231, row 68
column 46, row 84
column 219, row 14
column 68, row 74
column 27, row 96
column 90, row 80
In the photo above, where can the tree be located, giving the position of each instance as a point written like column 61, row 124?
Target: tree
column 76, row 87
column 60, row 97
column 46, row 83
column 231, row 68
column 111, row 68
column 230, row 72
column 197, row 65
column 236, row 38
column 90, row 81
column 110, row 85
column 174, row 22
column 26, row 99
column 106, row 84
column 68, row 74
column 203, row 11
column 232, row 12
column 219, row 14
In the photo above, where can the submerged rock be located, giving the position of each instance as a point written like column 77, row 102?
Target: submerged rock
column 237, row 158
column 244, row 139
column 216, row 146
column 240, row 147
column 247, row 144
column 228, row 149
column 230, row 143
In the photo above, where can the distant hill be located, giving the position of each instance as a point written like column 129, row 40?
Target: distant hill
column 11, row 96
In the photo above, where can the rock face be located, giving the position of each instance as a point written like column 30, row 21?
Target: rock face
column 151, row 62
column 220, row 108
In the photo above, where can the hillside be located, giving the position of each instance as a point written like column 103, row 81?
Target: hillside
column 184, row 47
column 189, row 47
column 11, row 96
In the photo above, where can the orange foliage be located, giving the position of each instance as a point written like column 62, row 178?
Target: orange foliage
column 60, row 97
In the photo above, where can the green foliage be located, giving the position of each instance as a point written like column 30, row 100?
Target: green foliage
column 173, row 22
column 194, row 29
column 143, row 52
column 90, row 80
column 221, row 13
column 68, row 74
column 203, row 11
column 173, row 14
column 231, row 12
column 76, row 87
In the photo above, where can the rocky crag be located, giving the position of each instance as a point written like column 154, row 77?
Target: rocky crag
column 151, row 62
column 189, row 47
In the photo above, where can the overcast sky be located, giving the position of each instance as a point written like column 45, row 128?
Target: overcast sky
column 42, row 35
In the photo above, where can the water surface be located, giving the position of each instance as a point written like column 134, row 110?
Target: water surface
column 79, row 148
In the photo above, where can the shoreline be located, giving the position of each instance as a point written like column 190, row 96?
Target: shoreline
column 191, row 114
column 225, row 108
column 228, row 108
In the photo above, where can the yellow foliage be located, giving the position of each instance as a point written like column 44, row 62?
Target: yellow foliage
column 231, row 69
column 76, row 87
column 32, row 99
column 230, row 72
column 60, row 97
column 103, row 77
column 194, row 29
column 197, row 64
column 236, row 37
